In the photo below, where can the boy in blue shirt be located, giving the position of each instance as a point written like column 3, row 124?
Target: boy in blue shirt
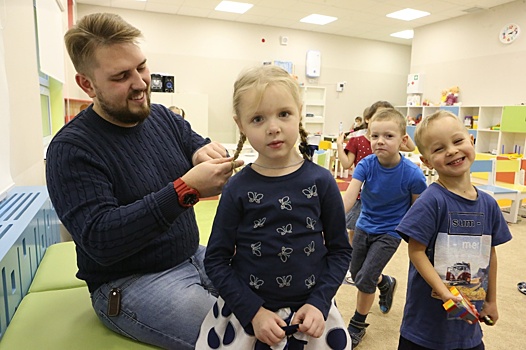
column 452, row 231
column 389, row 184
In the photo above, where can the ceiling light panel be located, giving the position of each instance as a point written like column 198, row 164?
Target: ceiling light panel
column 233, row 7
column 318, row 19
column 408, row 14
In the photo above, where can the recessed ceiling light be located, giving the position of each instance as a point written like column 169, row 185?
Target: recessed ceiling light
column 318, row 19
column 233, row 6
column 408, row 14
column 404, row 34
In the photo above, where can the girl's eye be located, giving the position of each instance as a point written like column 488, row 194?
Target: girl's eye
column 257, row 119
column 459, row 140
column 284, row 114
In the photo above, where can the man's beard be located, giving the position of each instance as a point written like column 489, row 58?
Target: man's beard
column 124, row 114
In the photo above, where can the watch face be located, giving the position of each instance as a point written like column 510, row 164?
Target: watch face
column 190, row 199
column 509, row 33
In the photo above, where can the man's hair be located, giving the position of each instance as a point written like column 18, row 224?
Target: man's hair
column 93, row 31
column 423, row 126
column 390, row 114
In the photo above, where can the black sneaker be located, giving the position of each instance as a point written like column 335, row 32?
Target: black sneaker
column 356, row 338
column 386, row 299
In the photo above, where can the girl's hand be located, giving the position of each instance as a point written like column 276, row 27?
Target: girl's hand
column 267, row 327
column 310, row 320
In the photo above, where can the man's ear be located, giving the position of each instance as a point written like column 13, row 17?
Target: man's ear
column 85, row 84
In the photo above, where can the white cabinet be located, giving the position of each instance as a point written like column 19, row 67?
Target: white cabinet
column 313, row 112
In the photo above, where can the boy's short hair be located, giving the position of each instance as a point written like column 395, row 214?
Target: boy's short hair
column 390, row 114
column 423, row 126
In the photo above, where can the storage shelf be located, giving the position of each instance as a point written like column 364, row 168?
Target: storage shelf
column 314, row 104
column 511, row 138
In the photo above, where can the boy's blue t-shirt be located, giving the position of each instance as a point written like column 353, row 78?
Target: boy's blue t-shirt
column 458, row 234
column 386, row 193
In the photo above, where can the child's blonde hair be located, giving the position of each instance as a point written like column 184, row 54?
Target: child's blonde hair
column 258, row 79
column 423, row 126
column 390, row 114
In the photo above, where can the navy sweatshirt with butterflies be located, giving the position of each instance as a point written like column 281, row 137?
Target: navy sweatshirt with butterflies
column 279, row 241
column 112, row 187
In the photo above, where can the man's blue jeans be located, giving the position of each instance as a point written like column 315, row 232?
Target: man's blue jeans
column 165, row 309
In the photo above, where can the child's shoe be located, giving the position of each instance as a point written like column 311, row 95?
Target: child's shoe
column 387, row 295
column 356, row 336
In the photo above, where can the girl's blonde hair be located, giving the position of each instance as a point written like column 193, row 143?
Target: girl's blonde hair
column 258, row 79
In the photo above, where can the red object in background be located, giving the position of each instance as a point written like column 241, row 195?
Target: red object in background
column 263, row 40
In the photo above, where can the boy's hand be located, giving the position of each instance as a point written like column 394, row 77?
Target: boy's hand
column 490, row 309
column 311, row 321
column 267, row 327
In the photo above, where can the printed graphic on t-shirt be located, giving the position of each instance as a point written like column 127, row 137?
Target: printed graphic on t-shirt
column 462, row 256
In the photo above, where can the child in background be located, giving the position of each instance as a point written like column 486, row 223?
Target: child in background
column 359, row 147
column 278, row 250
column 358, row 124
column 391, row 183
column 452, row 222
column 177, row 110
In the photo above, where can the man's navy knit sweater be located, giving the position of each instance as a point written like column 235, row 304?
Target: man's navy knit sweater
column 112, row 188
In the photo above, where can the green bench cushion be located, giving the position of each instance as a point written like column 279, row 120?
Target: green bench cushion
column 61, row 319
column 57, row 269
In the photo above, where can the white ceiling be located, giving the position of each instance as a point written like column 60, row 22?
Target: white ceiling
column 356, row 18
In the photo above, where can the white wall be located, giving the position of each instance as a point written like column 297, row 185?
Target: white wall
column 207, row 55
column 467, row 52
column 26, row 147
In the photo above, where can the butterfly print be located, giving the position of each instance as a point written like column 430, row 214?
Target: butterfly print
column 256, row 248
column 310, row 223
column 256, row 282
column 311, row 191
column 285, row 203
column 284, row 229
column 310, row 282
column 285, row 253
column 259, row 222
column 284, row 281
column 309, row 249
column 254, row 197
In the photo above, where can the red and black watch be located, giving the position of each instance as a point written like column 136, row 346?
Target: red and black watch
column 188, row 196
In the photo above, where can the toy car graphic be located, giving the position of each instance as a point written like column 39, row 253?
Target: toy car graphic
column 459, row 273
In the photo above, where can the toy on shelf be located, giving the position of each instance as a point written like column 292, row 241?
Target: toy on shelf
column 452, row 96
column 464, row 309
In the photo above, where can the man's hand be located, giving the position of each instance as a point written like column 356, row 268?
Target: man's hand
column 213, row 150
column 210, row 176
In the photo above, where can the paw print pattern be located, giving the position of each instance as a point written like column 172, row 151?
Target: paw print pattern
column 213, row 338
